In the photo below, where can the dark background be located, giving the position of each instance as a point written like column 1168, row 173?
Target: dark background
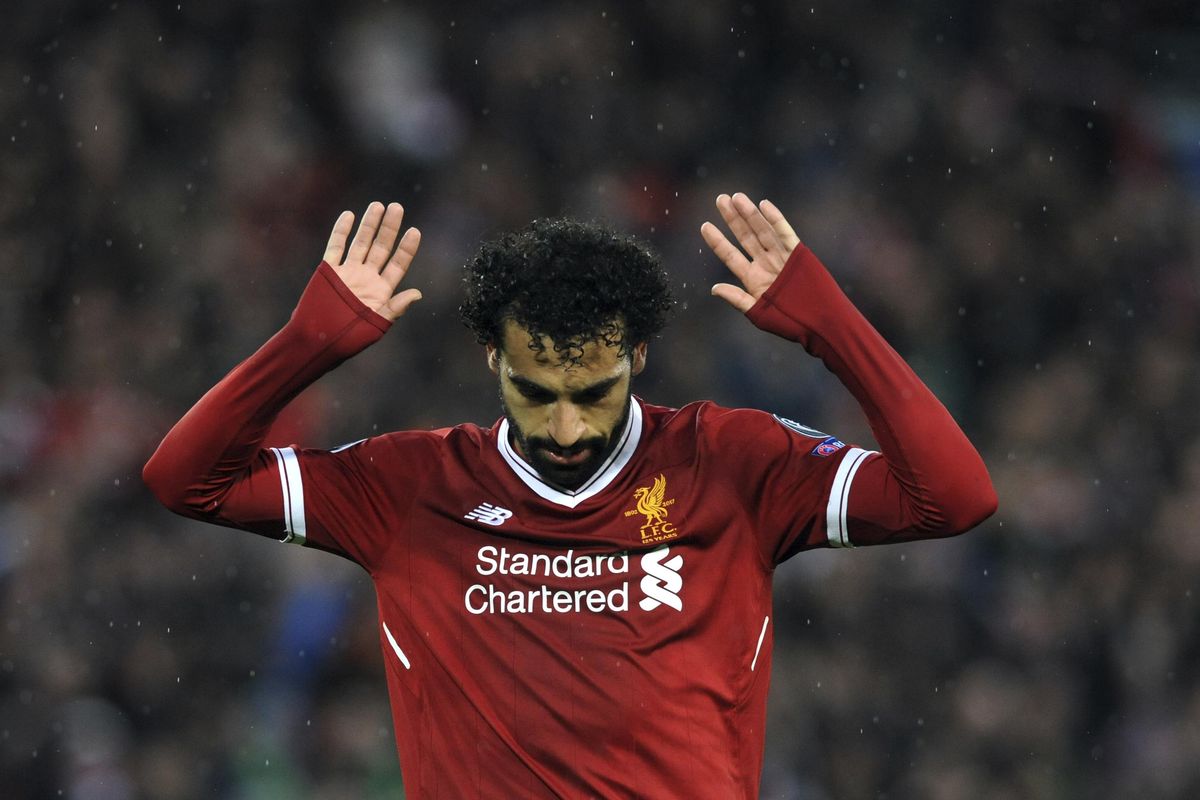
column 1009, row 190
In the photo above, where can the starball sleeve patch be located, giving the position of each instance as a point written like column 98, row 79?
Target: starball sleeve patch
column 828, row 444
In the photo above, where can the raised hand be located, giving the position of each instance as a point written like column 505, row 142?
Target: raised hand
column 765, row 236
column 375, row 264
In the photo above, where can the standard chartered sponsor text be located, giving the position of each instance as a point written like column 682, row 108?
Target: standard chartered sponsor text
column 481, row 598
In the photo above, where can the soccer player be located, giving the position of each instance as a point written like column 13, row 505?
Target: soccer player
column 576, row 601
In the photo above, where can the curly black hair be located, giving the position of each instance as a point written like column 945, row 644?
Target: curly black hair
column 573, row 282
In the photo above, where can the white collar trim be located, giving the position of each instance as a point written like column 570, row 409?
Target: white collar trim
column 604, row 475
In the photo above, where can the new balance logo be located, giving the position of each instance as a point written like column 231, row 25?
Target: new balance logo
column 662, row 581
column 489, row 514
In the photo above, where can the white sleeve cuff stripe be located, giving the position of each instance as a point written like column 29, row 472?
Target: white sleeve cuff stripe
column 293, row 494
column 839, row 497
column 287, row 509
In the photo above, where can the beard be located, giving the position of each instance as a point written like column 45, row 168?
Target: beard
column 538, row 450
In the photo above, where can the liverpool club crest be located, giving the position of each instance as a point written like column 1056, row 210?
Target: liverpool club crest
column 652, row 504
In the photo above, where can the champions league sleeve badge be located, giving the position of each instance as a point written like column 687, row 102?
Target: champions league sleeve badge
column 829, row 444
column 803, row 430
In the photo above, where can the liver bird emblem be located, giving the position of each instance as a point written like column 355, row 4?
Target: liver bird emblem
column 650, row 501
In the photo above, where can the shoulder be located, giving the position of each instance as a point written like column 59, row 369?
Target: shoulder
column 735, row 433
column 419, row 444
column 706, row 419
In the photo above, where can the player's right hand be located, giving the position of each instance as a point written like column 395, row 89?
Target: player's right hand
column 375, row 263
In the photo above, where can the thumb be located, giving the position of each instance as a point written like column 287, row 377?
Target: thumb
column 395, row 307
column 735, row 296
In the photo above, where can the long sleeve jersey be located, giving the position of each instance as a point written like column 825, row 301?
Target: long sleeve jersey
column 613, row 641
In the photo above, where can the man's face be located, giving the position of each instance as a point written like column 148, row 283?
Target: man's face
column 565, row 418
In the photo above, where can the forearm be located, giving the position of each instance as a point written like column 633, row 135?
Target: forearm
column 215, row 443
column 932, row 482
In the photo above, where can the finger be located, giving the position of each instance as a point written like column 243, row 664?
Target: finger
column 395, row 307
column 782, row 228
column 337, row 239
column 762, row 229
column 736, row 297
column 741, row 229
column 401, row 260
column 385, row 239
column 725, row 250
column 366, row 233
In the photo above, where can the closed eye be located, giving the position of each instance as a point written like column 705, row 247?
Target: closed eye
column 531, row 391
column 590, row 397
column 594, row 394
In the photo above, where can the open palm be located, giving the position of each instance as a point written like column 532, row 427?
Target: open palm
column 764, row 235
column 375, row 263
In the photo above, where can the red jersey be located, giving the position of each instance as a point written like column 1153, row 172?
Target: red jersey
column 613, row 641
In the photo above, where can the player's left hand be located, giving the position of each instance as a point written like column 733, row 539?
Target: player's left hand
column 764, row 235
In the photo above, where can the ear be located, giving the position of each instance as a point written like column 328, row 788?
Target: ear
column 637, row 359
column 493, row 358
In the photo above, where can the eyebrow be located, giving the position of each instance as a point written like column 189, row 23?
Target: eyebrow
column 597, row 389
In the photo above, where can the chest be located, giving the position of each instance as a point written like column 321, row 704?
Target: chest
column 647, row 558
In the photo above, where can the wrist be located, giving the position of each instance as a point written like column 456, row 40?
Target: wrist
column 328, row 317
column 801, row 300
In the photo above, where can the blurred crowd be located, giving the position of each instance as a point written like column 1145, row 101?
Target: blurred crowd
column 1009, row 190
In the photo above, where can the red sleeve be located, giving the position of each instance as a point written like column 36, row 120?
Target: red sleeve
column 211, row 466
column 789, row 477
column 930, row 481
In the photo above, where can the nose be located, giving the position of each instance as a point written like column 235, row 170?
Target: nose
column 566, row 424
